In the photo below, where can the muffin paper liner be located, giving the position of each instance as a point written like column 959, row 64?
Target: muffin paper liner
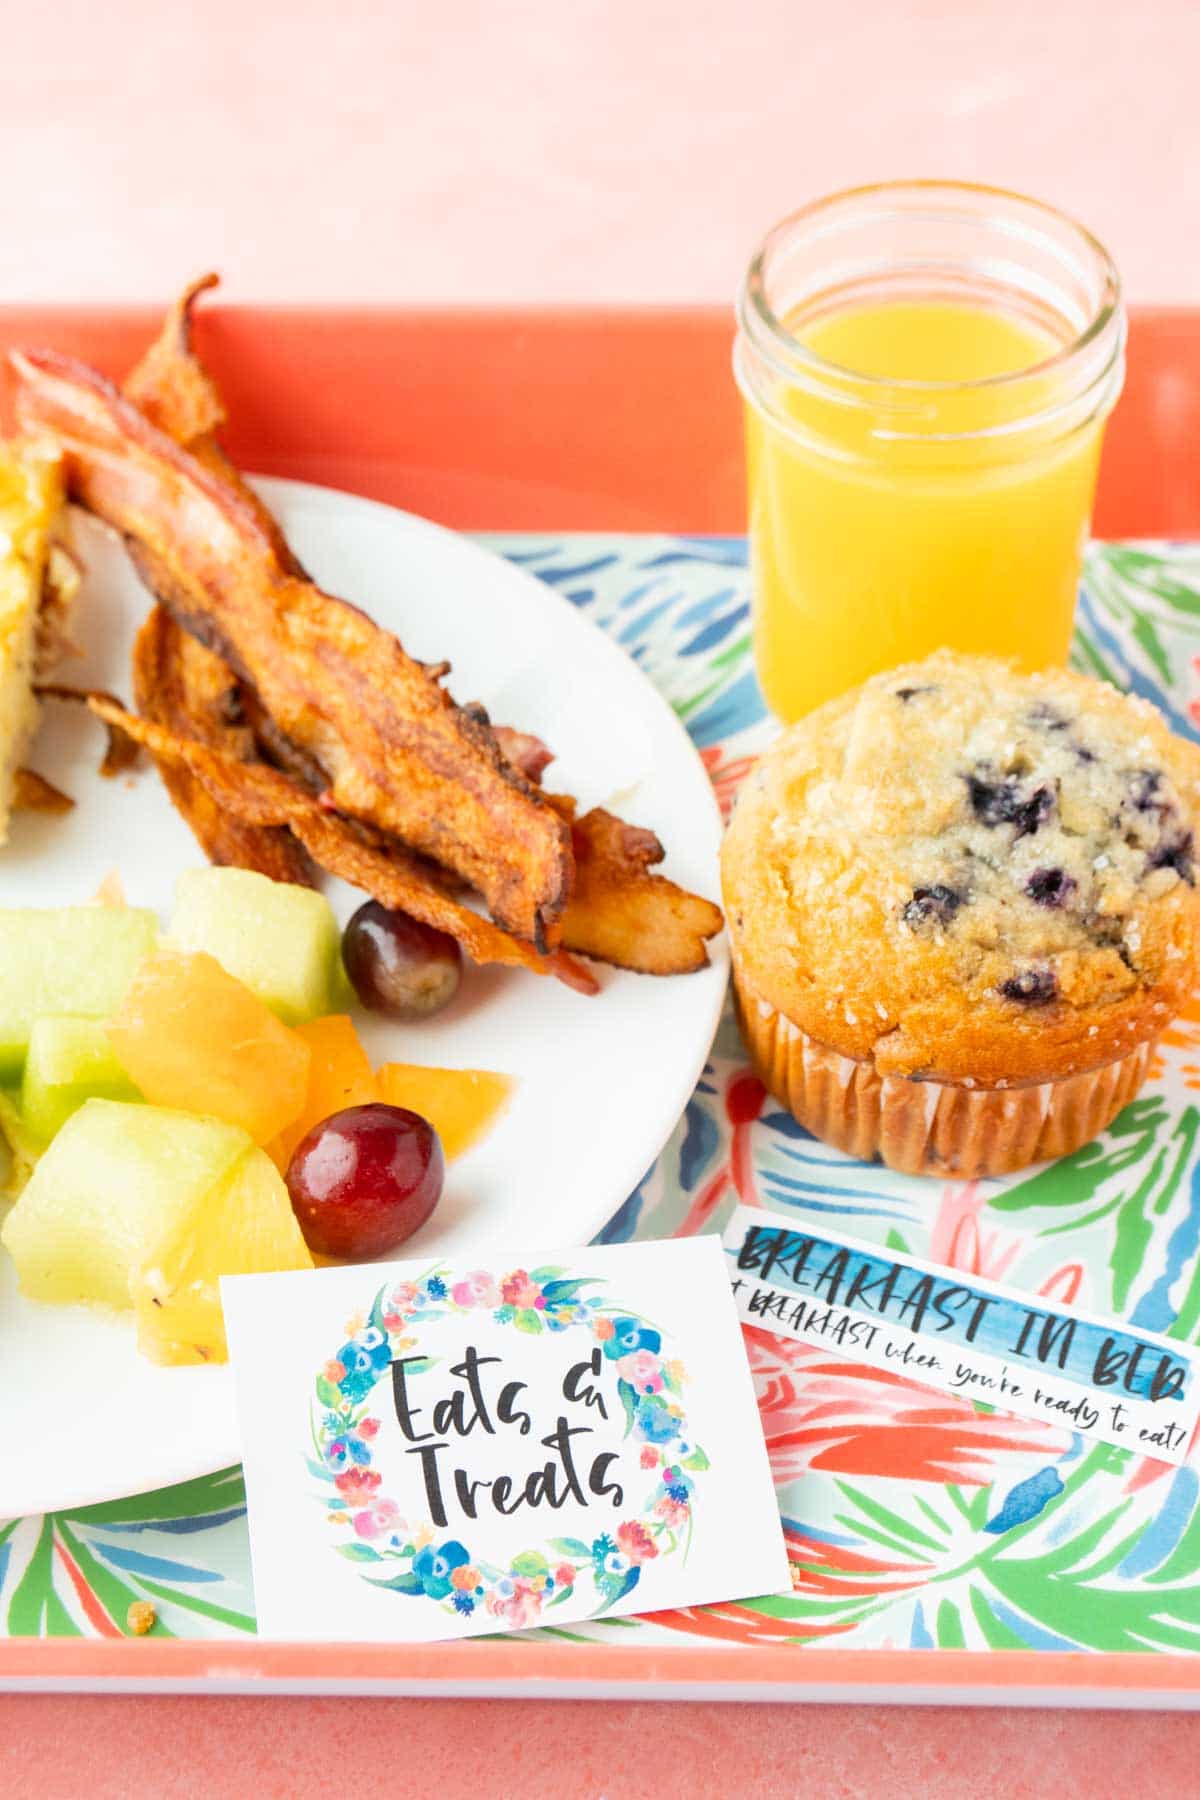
column 920, row 1127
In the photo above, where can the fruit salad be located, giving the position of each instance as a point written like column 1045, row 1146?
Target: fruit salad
column 185, row 1104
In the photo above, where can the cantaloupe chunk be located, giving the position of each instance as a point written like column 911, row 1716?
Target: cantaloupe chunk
column 460, row 1104
column 339, row 1075
column 189, row 1035
column 246, row 1226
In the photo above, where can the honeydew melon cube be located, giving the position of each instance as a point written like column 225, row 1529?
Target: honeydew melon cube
column 69, row 1061
column 69, row 959
column 281, row 940
column 115, row 1186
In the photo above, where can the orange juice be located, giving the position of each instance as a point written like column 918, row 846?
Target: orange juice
column 884, row 528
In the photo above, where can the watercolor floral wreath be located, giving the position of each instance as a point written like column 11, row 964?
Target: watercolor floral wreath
column 534, row 1301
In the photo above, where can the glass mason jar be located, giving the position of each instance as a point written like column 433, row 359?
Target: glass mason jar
column 927, row 368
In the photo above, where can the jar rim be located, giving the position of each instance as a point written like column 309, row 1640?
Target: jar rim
column 759, row 320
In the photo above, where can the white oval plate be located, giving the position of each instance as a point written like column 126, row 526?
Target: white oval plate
column 600, row 1082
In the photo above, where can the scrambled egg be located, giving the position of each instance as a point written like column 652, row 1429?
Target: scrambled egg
column 36, row 585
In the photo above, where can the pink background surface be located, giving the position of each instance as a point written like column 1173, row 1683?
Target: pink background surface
column 111, row 1748
column 594, row 150
column 588, row 151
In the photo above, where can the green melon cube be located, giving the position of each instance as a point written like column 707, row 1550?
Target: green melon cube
column 68, row 1061
column 282, row 941
column 114, row 1186
column 75, row 960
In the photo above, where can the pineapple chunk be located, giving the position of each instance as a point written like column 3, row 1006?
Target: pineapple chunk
column 118, row 1182
column 189, row 1035
column 135, row 1206
column 460, row 1104
column 245, row 1226
column 19, row 1149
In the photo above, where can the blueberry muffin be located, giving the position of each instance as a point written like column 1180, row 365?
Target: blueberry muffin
column 962, row 904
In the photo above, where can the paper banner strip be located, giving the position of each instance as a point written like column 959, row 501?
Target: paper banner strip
column 964, row 1335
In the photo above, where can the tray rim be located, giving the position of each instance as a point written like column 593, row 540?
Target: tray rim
column 1170, row 337
column 380, row 400
column 514, row 1670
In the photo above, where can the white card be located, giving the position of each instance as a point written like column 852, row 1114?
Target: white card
column 434, row 1452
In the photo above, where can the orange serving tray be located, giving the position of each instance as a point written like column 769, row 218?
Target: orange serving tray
column 588, row 419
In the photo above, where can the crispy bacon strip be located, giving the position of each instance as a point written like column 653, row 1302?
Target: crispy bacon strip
column 394, row 876
column 621, row 913
column 171, row 387
column 120, row 752
column 398, row 753
column 179, row 684
column 33, row 793
column 524, row 751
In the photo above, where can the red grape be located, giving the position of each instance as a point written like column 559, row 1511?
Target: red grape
column 365, row 1179
column 398, row 965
